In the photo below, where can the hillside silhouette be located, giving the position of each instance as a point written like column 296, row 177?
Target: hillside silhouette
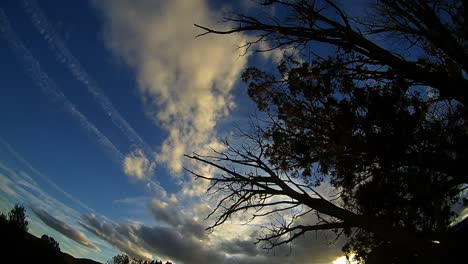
column 19, row 246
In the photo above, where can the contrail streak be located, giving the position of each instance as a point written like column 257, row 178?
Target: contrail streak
column 64, row 56
column 34, row 70
column 19, row 158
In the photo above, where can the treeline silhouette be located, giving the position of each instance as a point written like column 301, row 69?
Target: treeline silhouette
column 125, row 259
column 19, row 246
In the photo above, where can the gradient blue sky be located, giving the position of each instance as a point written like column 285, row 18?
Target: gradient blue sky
column 98, row 102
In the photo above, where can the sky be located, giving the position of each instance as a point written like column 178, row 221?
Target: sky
column 99, row 100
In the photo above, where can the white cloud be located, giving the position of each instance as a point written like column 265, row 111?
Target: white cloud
column 137, row 165
column 186, row 82
column 68, row 60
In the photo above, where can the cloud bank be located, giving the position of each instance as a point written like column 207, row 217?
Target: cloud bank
column 180, row 237
column 65, row 229
column 177, row 237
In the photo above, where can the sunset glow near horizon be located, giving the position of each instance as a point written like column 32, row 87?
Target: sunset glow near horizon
column 99, row 102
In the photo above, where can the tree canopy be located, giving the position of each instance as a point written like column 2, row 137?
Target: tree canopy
column 17, row 217
column 379, row 113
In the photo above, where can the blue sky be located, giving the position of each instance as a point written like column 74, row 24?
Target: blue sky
column 99, row 101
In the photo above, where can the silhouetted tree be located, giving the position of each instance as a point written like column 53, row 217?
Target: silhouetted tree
column 385, row 125
column 125, row 259
column 3, row 218
column 20, row 246
column 119, row 259
column 50, row 242
column 17, row 216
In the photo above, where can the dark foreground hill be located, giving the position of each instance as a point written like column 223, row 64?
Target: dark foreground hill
column 18, row 246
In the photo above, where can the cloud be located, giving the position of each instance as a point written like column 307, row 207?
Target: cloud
column 239, row 246
column 16, row 186
column 185, row 82
column 15, row 155
column 122, row 236
column 180, row 237
column 144, row 241
column 172, row 215
column 48, row 86
column 137, row 165
column 66, row 58
column 65, row 229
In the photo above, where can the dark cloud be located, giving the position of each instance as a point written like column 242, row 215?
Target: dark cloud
column 64, row 229
column 237, row 246
column 167, row 242
column 166, row 213
column 177, row 246
column 120, row 236
column 171, row 215
column 143, row 241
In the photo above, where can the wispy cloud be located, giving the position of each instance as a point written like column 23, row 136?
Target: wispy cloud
column 65, row 229
column 18, row 187
column 186, row 83
column 13, row 153
column 64, row 56
column 34, row 70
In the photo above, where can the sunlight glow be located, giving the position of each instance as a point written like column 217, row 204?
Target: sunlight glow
column 343, row 260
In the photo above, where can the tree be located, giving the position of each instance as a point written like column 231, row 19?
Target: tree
column 50, row 242
column 3, row 219
column 385, row 126
column 125, row 259
column 17, row 217
column 120, row 259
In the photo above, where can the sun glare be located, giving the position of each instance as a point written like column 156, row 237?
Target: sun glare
column 340, row 260
column 343, row 260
